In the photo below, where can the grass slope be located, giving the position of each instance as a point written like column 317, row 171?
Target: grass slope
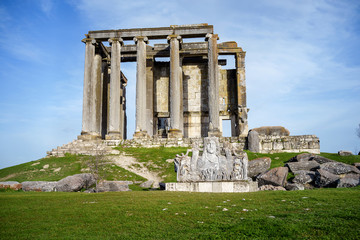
column 69, row 165
column 154, row 159
column 309, row 214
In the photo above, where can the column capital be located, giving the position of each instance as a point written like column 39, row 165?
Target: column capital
column 89, row 40
column 211, row 35
column 141, row 38
column 174, row 36
column 111, row 40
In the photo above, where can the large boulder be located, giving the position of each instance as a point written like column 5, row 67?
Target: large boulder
column 326, row 179
column 11, row 185
column 258, row 166
column 339, row 168
column 303, row 157
column 345, row 153
column 294, row 186
column 271, row 188
column 304, row 177
column 113, row 186
column 276, row 177
column 321, row 159
column 357, row 165
column 38, row 186
column 350, row 180
column 147, row 184
column 75, row 183
column 272, row 131
column 298, row 166
column 253, row 141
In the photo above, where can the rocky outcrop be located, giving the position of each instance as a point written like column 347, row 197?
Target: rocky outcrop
column 258, row 166
column 38, row 186
column 147, row 184
column 345, row 153
column 294, row 186
column 10, row 185
column 326, row 179
column 350, row 180
column 276, row 177
column 271, row 188
column 339, row 168
column 304, row 165
column 75, row 183
column 113, row 186
column 304, row 177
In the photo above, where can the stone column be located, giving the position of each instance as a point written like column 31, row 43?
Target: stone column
column 115, row 78
column 241, row 116
column 87, row 114
column 175, row 88
column 140, row 131
column 96, row 97
column 213, row 86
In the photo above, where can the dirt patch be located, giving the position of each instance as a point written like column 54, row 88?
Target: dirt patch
column 129, row 163
column 8, row 177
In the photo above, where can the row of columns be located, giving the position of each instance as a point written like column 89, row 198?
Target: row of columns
column 92, row 92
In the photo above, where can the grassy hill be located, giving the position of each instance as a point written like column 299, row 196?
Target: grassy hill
column 53, row 168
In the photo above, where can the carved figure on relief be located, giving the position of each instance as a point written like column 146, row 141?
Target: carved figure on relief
column 211, row 165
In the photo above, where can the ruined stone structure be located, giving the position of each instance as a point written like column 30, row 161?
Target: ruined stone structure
column 184, row 97
column 182, row 93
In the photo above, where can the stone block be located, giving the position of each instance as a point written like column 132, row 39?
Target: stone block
column 205, row 187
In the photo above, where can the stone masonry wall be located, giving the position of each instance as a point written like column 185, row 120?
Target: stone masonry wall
column 268, row 144
column 302, row 143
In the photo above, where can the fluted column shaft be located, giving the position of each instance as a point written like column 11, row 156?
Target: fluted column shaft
column 175, row 88
column 89, row 57
column 213, row 85
column 115, row 78
column 140, row 84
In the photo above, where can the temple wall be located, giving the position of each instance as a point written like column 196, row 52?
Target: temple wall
column 195, row 95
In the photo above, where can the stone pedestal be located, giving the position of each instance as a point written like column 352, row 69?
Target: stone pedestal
column 141, row 134
column 214, row 187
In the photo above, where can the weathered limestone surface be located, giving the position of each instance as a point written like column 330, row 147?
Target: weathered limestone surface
column 115, row 84
column 240, row 186
column 38, row 186
column 140, row 130
column 258, row 166
column 11, row 185
column 276, row 177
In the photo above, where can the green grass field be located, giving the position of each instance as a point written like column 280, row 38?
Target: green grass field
column 309, row 214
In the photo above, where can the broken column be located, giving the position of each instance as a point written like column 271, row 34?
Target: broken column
column 213, row 86
column 175, row 88
column 140, row 131
column 114, row 131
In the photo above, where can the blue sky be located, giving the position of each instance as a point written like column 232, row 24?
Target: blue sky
column 302, row 64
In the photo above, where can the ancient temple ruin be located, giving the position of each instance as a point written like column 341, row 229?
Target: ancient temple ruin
column 185, row 97
column 183, row 93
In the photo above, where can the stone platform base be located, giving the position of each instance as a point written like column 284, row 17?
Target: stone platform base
column 219, row 187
